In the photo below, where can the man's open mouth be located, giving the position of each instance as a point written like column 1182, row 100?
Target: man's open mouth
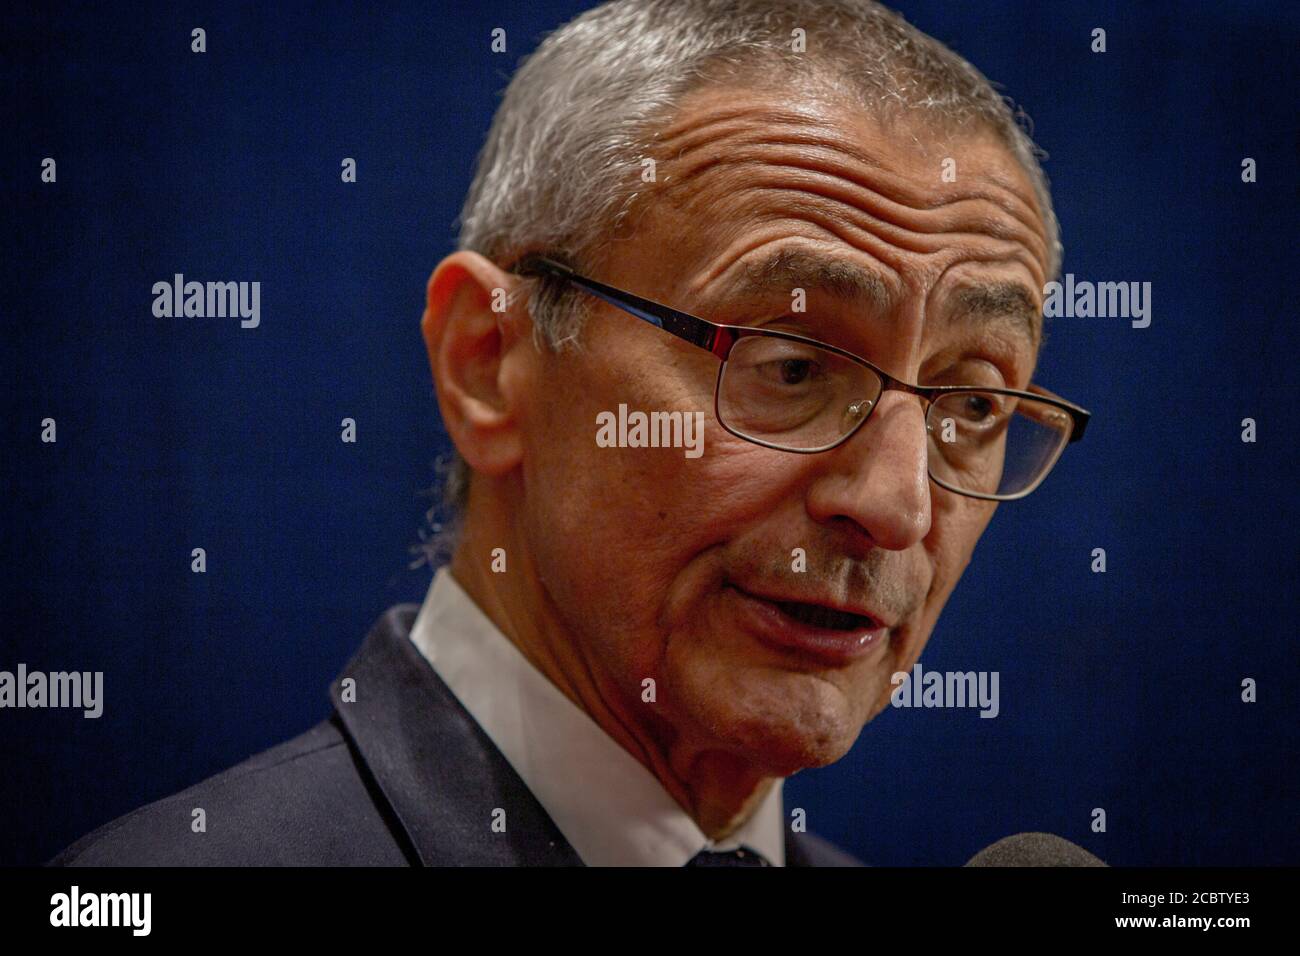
column 817, row 615
column 816, row 633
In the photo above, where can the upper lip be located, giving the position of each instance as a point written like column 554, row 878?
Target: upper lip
column 834, row 604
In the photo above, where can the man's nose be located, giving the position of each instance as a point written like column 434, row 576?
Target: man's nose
column 879, row 478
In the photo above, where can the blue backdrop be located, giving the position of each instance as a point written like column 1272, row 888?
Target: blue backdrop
column 1120, row 690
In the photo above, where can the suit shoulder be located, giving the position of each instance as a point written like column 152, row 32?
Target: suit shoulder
column 302, row 802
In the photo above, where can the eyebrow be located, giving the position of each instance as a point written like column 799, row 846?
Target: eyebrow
column 1004, row 300
column 789, row 269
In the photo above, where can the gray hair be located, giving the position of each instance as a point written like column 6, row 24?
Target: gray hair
column 560, row 169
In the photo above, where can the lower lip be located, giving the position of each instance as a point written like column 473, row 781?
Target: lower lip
column 827, row 646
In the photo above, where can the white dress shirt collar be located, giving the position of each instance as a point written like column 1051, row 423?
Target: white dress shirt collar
column 611, row 809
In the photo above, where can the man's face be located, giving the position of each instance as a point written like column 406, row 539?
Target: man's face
column 654, row 561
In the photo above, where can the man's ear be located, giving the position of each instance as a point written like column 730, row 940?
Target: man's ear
column 473, row 334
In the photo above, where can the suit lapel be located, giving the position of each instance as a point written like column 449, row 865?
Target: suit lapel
column 440, row 773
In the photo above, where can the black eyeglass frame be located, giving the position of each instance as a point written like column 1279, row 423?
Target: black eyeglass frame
column 719, row 339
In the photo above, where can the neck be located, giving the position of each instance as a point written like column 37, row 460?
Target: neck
column 717, row 789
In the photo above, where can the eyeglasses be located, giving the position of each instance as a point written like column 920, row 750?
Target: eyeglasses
column 789, row 392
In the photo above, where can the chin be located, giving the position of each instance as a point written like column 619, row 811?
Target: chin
column 783, row 729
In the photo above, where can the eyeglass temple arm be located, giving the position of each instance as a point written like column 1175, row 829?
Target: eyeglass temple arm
column 1080, row 416
column 699, row 332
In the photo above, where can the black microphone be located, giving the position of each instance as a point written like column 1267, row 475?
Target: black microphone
column 1034, row 849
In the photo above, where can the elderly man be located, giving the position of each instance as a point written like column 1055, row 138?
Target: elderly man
column 735, row 354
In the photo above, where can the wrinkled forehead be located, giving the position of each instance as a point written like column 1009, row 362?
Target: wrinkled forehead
column 734, row 164
column 811, row 121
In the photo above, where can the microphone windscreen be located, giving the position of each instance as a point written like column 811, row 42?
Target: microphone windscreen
column 1034, row 849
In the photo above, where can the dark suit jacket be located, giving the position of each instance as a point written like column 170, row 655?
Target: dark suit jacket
column 401, row 776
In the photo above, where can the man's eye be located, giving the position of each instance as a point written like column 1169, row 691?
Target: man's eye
column 978, row 407
column 789, row 371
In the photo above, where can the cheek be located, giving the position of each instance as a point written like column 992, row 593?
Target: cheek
column 613, row 528
column 640, row 515
column 633, row 505
column 956, row 526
